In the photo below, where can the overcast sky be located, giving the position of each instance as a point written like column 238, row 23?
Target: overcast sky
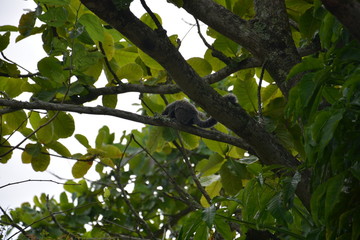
column 27, row 53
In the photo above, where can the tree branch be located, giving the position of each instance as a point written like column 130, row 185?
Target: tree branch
column 37, row 180
column 99, row 110
column 160, row 48
column 166, row 88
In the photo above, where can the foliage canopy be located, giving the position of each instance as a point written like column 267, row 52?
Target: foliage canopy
column 282, row 163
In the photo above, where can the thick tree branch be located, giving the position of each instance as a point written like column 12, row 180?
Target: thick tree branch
column 267, row 36
column 158, row 46
column 347, row 12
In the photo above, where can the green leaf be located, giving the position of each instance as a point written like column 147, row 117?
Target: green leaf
column 132, row 72
column 125, row 56
column 26, row 23
column 93, row 26
column 202, row 232
column 215, row 63
column 276, row 208
column 104, row 137
column 147, row 19
column 82, row 140
column 213, row 190
column 12, row 86
column 326, row 30
column 317, row 204
column 155, row 137
column 55, row 17
column 16, row 120
column 110, row 151
column 108, row 45
column 72, row 187
column 8, row 28
column 333, row 196
column 150, row 62
column 4, row 150
column 46, row 134
column 330, row 126
column 190, row 141
column 64, row 125
column 228, row 178
column 83, row 59
column 59, row 148
column 307, row 64
column 245, row 89
column 4, row 41
column 216, row 146
column 200, row 65
column 191, row 224
column 210, row 166
column 52, row 68
column 269, row 93
column 80, row 168
column 223, row 228
column 208, row 215
column 40, row 161
column 109, row 101
column 226, row 46
column 308, row 24
column 324, row 127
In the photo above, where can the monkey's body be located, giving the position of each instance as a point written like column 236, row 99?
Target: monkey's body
column 185, row 113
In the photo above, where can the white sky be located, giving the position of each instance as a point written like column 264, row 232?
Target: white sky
column 28, row 52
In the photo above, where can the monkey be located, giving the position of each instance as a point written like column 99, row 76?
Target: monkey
column 185, row 113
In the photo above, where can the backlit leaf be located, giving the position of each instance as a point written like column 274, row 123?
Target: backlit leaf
column 80, row 168
column 83, row 140
column 93, row 26
column 26, row 23
column 132, row 72
column 52, row 68
column 4, row 150
column 55, row 17
column 4, row 41
column 41, row 161
column 64, row 125
column 201, row 66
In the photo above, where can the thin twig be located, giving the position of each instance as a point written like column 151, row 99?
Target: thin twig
column 259, row 92
column 36, row 180
column 107, row 63
column 215, row 52
column 7, row 59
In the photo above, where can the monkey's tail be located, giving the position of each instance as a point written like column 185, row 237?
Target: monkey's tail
column 205, row 123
